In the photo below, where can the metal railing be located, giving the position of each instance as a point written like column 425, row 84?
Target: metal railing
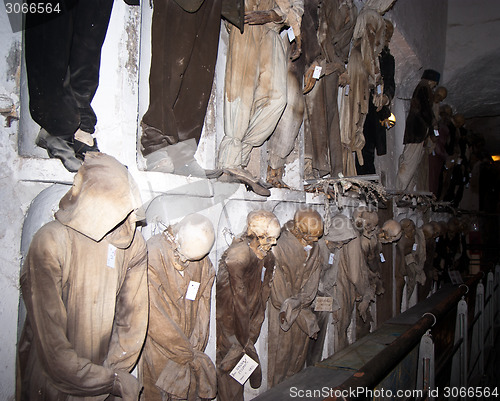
column 466, row 353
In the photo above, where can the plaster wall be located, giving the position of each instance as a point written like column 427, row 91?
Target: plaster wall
column 28, row 176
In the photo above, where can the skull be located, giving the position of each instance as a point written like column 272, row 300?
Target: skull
column 408, row 227
column 458, row 120
column 440, row 94
column 428, row 230
column 194, row 236
column 308, row 226
column 365, row 221
column 264, row 226
column 390, row 232
column 453, row 226
column 437, row 228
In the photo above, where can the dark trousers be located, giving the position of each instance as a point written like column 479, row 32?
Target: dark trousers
column 63, row 56
column 183, row 54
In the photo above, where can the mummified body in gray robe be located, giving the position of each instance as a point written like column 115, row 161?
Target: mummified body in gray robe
column 174, row 364
column 294, row 288
column 242, row 289
column 84, row 283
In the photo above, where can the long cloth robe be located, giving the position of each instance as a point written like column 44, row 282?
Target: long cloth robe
column 335, row 21
column 294, row 288
column 256, row 81
column 86, row 294
column 183, row 55
column 242, row 289
column 174, row 364
column 364, row 74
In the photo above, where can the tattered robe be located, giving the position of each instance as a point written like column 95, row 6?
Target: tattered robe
column 242, row 289
column 85, row 291
column 256, row 81
column 364, row 74
column 173, row 362
column 335, row 21
column 294, row 288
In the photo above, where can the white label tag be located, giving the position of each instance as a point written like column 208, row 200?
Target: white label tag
column 437, row 239
column 291, row 34
column 459, row 161
column 263, row 274
column 382, row 259
column 324, row 304
column 330, row 259
column 414, row 247
column 379, row 89
column 307, row 248
column 346, row 90
column 243, row 369
column 192, row 290
column 111, row 256
column 181, row 272
column 433, row 153
column 436, row 132
column 317, row 72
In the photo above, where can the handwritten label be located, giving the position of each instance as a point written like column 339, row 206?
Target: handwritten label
column 192, row 290
column 111, row 256
column 382, row 259
column 263, row 274
column 324, row 304
column 346, row 90
column 317, row 72
column 243, row 369
column 414, row 247
column 436, row 132
column 291, row 34
column 379, row 89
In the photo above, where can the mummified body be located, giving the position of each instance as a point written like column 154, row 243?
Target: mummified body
column 84, row 284
column 410, row 259
column 174, row 365
column 243, row 286
column 294, row 287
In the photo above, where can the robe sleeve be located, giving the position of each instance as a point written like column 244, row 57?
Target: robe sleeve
column 236, row 265
column 131, row 314
column 41, row 283
column 357, row 272
column 201, row 330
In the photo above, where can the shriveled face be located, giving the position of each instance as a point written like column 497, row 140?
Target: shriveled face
column 390, row 232
column 265, row 227
column 440, row 94
column 436, row 228
column 309, row 225
column 408, row 227
column 428, row 230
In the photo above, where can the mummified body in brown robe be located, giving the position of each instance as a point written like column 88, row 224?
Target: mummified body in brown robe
column 84, row 284
column 294, row 288
column 328, row 48
column 243, row 286
column 174, row 364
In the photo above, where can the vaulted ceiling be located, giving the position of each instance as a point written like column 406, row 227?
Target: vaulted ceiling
column 472, row 66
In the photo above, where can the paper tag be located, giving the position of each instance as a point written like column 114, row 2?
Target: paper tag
column 379, row 89
column 181, row 272
column 414, row 247
column 192, row 290
column 330, row 259
column 291, row 34
column 382, row 259
column 84, row 137
column 436, row 132
column 437, row 239
column 346, row 90
column 459, row 161
column 111, row 256
column 307, row 248
column 243, row 369
column 433, row 153
column 263, row 274
column 317, row 72
column 324, row 304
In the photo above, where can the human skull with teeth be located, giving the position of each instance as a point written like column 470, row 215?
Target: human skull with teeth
column 390, row 232
column 264, row 229
column 308, row 226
